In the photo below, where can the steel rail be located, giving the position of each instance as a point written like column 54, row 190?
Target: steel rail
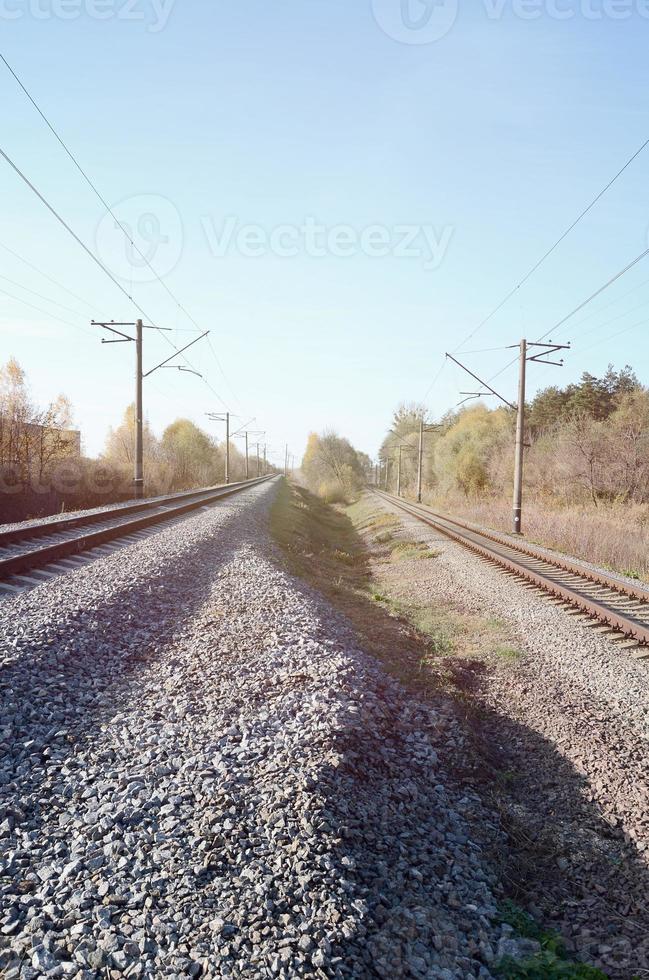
column 593, row 575
column 45, row 528
column 162, row 511
column 599, row 608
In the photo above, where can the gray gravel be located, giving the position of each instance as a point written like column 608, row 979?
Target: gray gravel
column 200, row 774
column 570, row 725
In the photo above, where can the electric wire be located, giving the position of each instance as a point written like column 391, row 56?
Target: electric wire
column 109, row 210
column 99, row 263
column 47, row 313
column 45, row 275
column 594, row 295
column 559, row 240
column 48, row 299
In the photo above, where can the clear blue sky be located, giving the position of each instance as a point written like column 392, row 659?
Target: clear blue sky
column 493, row 137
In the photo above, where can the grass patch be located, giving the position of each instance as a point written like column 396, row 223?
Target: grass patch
column 384, row 537
column 335, row 549
column 508, row 653
column 550, row 963
column 411, row 550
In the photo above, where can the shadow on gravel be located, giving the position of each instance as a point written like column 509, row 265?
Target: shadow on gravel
column 566, row 862
column 75, row 669
column 562, row 860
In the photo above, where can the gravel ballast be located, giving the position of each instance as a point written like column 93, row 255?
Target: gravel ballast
column 569, row 724
column 201, row 774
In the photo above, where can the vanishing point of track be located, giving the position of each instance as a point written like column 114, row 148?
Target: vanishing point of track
column 619, row 606
column 32, row 553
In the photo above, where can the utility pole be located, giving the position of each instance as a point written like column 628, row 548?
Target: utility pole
column 138, row 480
column 265, row 463
column 224, row 417
column 387, row 473
column 245, row 433
column 138, row 469
column 540, row 358
column 286, row 460
column 399, row 475
column 227, row 448
column 258, row 471
column 520, row 441
column 420, row 466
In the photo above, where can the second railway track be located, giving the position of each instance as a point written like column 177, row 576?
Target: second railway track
column 622, row 607
column 34, row 552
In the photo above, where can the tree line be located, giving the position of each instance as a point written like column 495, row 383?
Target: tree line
column 43, row 469
column 587, row 442
column 333, row 469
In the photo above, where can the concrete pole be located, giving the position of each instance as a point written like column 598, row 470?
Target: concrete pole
column 520, row 443
column 138, row 480
column 399, row 475
column 421, row 459
column 227, row 447
column 247, row 477
column 265, row 464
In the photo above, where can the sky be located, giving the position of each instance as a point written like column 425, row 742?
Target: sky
column 339, row 192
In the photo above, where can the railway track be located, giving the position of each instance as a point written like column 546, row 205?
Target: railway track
column 34, row 553
column 618, row 606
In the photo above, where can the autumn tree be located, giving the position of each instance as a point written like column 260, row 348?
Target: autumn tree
column 32, row 440
column 333, row 468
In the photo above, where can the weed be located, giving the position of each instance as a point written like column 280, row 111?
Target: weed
column 507, row 652
column 546, row 966
column 409, row 550
column 384, row 537
column 343, row 556
column 550, row 962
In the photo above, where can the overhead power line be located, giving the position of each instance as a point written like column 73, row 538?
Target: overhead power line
column 540, row 262
column 552, row 248
column 97, row 261
column 48, row 299
column 110, row 211
column 597, row 293
column 45, row 275
column 94, row 188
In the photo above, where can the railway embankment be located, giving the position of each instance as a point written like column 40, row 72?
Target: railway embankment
column 276, row 739
column 555, row 708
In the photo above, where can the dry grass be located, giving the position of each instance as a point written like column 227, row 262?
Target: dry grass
column 336, row 550
column 614, row 537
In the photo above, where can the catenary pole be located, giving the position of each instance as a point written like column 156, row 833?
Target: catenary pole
column 138, row 480
column 227, row 448
column 111, row 326
column 420, row 458
column 247, row 473
column 399, row 475
column 520, row 441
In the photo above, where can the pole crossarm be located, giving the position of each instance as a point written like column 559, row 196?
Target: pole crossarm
column 548, row 349
column 179, row 367
column 176, row 353
column 111, row 326
column 480, row 381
